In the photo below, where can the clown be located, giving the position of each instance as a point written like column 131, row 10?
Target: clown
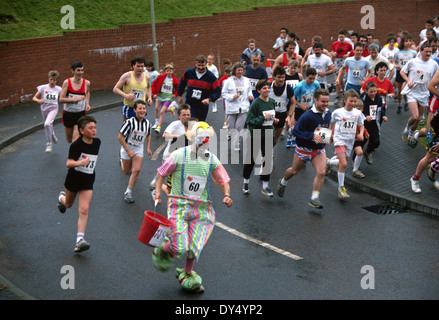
column 189, row 203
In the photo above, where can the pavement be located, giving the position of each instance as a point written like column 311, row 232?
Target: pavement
column 387, row 178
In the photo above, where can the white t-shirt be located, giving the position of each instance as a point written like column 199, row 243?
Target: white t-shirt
column 50, row 96
column 345, row 126
column 420, row 74
column 389, row 54
column 320, row 64
column 174, row 128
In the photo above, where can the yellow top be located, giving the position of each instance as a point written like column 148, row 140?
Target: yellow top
column 135, row 88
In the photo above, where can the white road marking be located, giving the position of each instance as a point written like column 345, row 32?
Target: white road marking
column 258, row 242
column 158, row 150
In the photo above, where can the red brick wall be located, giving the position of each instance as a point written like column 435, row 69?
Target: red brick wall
column 106, row 53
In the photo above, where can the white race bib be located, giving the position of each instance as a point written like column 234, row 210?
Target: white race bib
column 50, row 97
column 138, row 94
column 324, row 133
column 348, row 125
column 196, row 94
column 89, row 169
column 194, row 186
column 77, row 105
column 269, row 121
column 137, row 138
column 373, row 111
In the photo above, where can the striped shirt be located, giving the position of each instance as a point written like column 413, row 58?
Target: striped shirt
column 193, row 167
column 135, row 131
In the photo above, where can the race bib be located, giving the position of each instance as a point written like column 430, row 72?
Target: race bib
column 269, row 121
column 356, row 73
column 348, row 125
column 421, row 77
column 196, row 94
column 50, row 97
column 166, row 88
column 194, row 186
column 324, row 133
column 89, row 169
column 138, row 94
column 292, row 83
column 240, row 92
column 306, row 99
column 253, row 83
column 77, row 105
column 137, row 138
column 373, row 111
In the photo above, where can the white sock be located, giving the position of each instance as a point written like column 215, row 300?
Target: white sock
column 246, row 180
column 315, row 194
column 283, row 182
column 340, row 179
column 265, row 184
column 416, row 136
column 357, row 163
column 128, row 190
column 79, row 236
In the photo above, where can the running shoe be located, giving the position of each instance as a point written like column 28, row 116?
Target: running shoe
column 157, row 129
column 162, row 260
column 245, row 188
column 368, row 157
column 415, row 185
column 280, row 188
column 315, row 203
column 189, row 281
column 398, row 111
column 49, row 147
column 128, row 197
column 155, row 125
column 412, row 141
column 358, row 174
column 267, row 192
column 342, row 193
column 405, row 136
column 81, row 245
column 62, row 208
column 152, row 185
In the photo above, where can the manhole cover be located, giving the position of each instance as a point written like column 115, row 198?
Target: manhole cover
column 384, row 209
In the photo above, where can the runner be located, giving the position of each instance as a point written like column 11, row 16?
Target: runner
column 261, row 116
column 190, row 206
column 212, row 68
column 202, row 88
column 246, row 56
column 289, row 54
column 402, row 57
column 133, row 85
column 75, row 94
column 81, row 162
column 255, row 72
column 280, row 41
column 237, row 94
column 417, row 73
column 322, row 63
column 292, row 78
column 164, row 89
column 312, row 134
column 384, row 85
column 345, row 121
column 432, row 149
column 283, row 95
column 132, row 136
column 47, row 97
column 340, row 51
column 359, row 70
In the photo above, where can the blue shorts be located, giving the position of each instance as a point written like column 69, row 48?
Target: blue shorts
column 352, row 86
column 127, row 112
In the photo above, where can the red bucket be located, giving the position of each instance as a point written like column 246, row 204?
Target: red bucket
column 154, row 229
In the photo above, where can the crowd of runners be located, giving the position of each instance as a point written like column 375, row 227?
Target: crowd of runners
column 260, row 104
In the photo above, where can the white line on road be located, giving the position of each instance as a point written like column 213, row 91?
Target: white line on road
column 258, row 242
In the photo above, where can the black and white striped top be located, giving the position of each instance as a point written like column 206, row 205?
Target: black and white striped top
column 135, row 131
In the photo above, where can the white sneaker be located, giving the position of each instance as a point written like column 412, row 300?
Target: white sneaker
column 342, row 193
column 49, row 147
column 155, row 125
column 415, row 185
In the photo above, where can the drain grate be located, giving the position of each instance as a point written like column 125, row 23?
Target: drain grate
column 385, row 209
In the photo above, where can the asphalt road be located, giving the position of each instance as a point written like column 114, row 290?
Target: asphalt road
column 262, row 249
